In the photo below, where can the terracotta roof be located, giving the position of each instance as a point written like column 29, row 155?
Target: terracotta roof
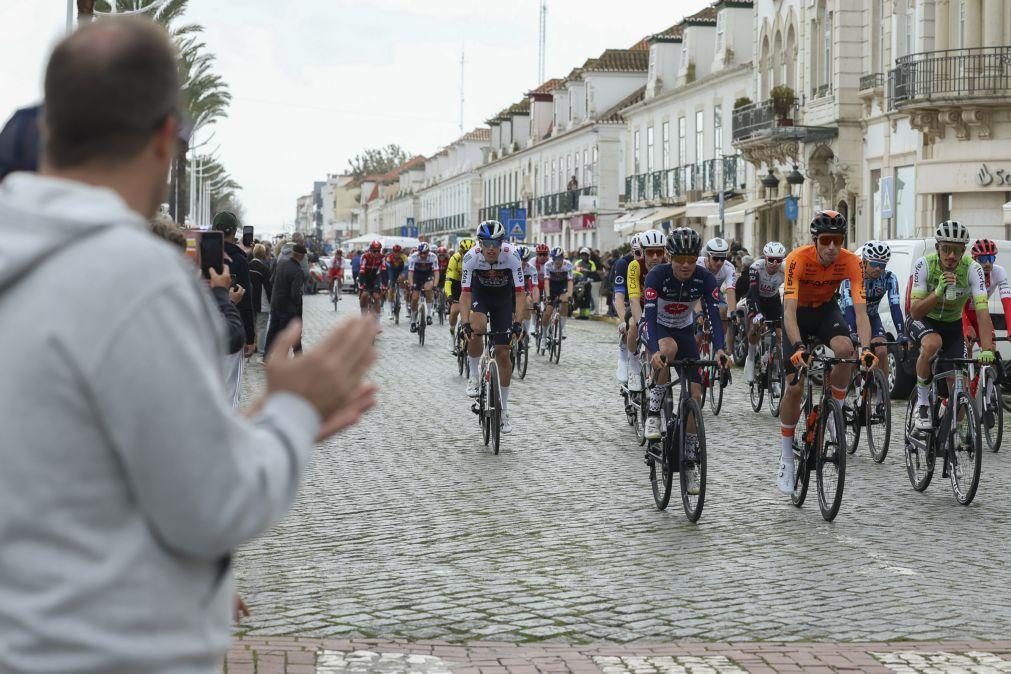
column 546, row 87
column 619, row 61
column 375, row 193
column 641, row 45
column 706, row 17
column 672, row 34
column 614, row 114
column 480, row 133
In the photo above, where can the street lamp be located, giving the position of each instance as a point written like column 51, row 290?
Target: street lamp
column 771, row 184
column 795, row 178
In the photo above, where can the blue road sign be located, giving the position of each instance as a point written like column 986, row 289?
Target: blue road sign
column 791, row 208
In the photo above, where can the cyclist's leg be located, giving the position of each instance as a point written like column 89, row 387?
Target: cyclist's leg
column 923, row 333
column 686, row 349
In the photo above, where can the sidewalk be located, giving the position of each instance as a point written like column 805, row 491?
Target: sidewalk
column 294, row 655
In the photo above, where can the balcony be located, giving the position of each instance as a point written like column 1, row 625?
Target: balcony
column 758, row 124
column 951, row 77
column 449, row 223
column 872, row 82
column 560, row 202
column 669, row 185
column 493, row 212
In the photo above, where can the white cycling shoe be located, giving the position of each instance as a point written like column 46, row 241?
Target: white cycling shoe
column 652, row 431
column 622, row 373
column 507, row 424
column 784, row 479
column 634, row 382
column 473, row 388
column 749, row 370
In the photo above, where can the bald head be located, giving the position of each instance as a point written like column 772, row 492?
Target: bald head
column 109, row 86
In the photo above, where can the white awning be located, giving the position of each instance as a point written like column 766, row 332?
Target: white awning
column 702, row 209
column 1007, row 213
column 633, row 219
column 734, row 214
column 666, row 214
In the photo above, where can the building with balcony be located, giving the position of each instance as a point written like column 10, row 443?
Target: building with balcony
column 450, row 198
column 936, row 93
column 401, row 209
column 340, row 195
column 680, row 156
column 558, row 153
column 304, row 221
column 801, row 129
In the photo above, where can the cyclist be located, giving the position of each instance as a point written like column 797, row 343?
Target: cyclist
column 621, row 306
column 396, row 265
column 878, row 282
column 422, row 276
column 984, row 251
column 653, row 248
column 372, row 277
column 443, row 254
column 671, row 291
column 943, row 282
column 492, row 283
column 764, row 302
column 813, row 275
column 336, row 271
column 530, row 279
column 557, row 275
column 454, row 271
column 716, row 263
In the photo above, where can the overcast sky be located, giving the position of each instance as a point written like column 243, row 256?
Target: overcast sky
column 316, row 81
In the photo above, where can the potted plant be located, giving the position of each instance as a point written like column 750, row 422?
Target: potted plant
column 741, row 102
column 783, row 98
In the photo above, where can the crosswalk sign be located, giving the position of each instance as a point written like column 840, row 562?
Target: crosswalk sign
column 517, row 229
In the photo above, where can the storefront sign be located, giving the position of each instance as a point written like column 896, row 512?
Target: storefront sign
column 1000, row 177
column 578, row 223
column 551, row 226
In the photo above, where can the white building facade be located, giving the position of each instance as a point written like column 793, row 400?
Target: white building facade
column 450, row 196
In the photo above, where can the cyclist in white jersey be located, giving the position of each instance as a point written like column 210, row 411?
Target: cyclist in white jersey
column 984, row 251
column 558, row 280
column 764, row 302
column 714, row 260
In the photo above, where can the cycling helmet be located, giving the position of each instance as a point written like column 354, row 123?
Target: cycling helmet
column 747, row 261
column 828, row 222
column 422, row 248
column 951, row 231
column 876, row 251
column 542, row 248
column 466, row 244
column 774, row 249
column 556, row 253
column 584, row 251
column 634, row 243
column 523, row 252
column 652, row 238
column 490, row 229
column 397, row 248
column 376, row 246
column 984, row 247
column 718, row 248
column 441, row 250
column 684, row 241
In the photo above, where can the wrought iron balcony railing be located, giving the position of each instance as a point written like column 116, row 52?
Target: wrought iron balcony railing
column 951, row 75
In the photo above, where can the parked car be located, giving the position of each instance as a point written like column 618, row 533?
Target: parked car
column 317, row 277
column 349, row 279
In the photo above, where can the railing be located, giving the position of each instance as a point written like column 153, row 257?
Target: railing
column 711, row 175
column 820, row 92
column 561, row 202
column 492, row 212
column 447, row 223
column 750, row 120
column 983, row 72
column 872, row 81
column 662, row 184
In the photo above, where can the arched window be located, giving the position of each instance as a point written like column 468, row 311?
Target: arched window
column 791, row 58
column 766, row 65
column 778, row 61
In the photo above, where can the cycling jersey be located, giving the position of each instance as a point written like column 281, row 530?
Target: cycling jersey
column 443, row 263
column 453, row 272
column 763, row 285
column 812, row 284
column 969, row 282
column 423, row 266
column 636, row 280
column 874, row 291
column 669, row 301
column 529, row 276
column 996, row 280
column 395, row 266
column 726, row 275
column 372, row 266
column 492, row 276
column 621, row 272
column 557, row 276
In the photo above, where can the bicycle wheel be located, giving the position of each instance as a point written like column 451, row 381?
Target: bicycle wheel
column 716, row 394
column 485, row 411
column 523, row 355
column 852, row 415
column 757, row 387
column 422, row 321
column 774, row 379
column 830, row 459
column 494, row 406
column 878, row 416
column 693, row 503
column 661, row 470
column 803, row 460
column 461, row 357
column 919, row 451
column 556, row 342
column 965, row 451
column 992, row 413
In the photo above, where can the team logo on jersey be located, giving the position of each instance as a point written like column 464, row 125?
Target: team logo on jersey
column 675, row 309
column 618, row 280
column 716, row 294
column 650, row 293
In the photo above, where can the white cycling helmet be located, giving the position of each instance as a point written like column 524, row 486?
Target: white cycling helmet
column 490, row 229
column 584, row 251
column 652, row 238
column 952, row 231
column 876, row 251
column 774, row 249
column 634, row 243
column 718, row 248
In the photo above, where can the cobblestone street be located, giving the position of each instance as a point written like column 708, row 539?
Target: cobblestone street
column 409, row 528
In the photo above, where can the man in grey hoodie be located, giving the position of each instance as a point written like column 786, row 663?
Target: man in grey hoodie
column 127, row 480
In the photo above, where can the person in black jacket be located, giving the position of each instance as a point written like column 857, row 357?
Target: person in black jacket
column 260, row 275
column 286, row 295
column 226, row 223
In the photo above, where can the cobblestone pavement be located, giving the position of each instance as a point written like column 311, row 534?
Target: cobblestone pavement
column 409, row 528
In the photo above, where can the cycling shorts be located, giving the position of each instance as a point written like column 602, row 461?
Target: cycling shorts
column 771, row 308
column 687, row 347
column 454, row 290
column 370, row 285
column 824, row 321
column 556, row 290
column 335, row 272
column 421, row 279
column 952, row 340
column 497, row 306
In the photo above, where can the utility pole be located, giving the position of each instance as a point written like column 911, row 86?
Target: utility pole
column 542, row 42
column 463, row 61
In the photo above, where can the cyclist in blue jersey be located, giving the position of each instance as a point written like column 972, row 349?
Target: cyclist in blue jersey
column 621, row 306
column 878, row 282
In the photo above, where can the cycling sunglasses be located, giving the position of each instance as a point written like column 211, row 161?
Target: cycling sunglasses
column 986, row 259
column 542, row 254
column 774, row 260
column 684, row 259
column 831, row 240
column 951, row 248
column 877, row 264
column 489, row 243
column 655, row 252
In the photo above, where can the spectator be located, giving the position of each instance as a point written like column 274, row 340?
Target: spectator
column 286, row 295
column 19, row 142
column 127, row 479
column 356, row 265
column 226, row 223
column 260, row 276
column 573, row 189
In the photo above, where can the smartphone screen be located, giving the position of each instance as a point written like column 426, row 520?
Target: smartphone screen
column 212, row 252
column 247, row 235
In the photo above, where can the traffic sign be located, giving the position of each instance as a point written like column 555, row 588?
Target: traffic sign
column 887, row 196
column 516, row 225
column 791, row 208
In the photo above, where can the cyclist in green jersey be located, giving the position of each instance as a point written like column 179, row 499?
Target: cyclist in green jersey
column 942, row 283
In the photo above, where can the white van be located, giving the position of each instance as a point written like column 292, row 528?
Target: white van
column 905, row 253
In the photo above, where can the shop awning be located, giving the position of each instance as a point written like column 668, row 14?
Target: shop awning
column 1007, row 213
column 702, row 209
column 629, row 221
column 666, row 214
column 734, row 214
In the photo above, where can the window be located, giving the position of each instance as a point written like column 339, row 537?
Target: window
column 635, row 153
column 649, row 150
column 721, row 27
column 666, row 145
column 961, row 24
column 545, row 186
column 682, row 151
column 910, row 28
column 717, row 131
column 877, row 24
column 876, row 222
column 826, row 74
column 586, row 169
column 699, row 136
column 554, row 175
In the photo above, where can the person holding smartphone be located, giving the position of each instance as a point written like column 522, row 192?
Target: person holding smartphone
column 228, row 224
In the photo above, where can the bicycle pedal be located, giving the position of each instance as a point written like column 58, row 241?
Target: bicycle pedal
column 475, row 408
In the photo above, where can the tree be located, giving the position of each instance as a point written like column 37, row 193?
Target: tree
column 377, row 160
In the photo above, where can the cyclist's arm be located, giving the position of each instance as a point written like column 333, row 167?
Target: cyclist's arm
column 710, row 298
column 519, row 288
column 465, row 280
column 968, row 326
column 858, row 296
column 620, row 292
column 894, row 306
column 1003, row 291
column 568, row 287
column 846, row 302
column 977, row 290
column 653, row 281
column 731, row 287
column 790, row 321
column 634, row 291
column 922, row 299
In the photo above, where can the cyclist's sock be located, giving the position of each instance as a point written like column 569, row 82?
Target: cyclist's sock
column 839, row 393
column 922, row 392
column 786, row 448
column 505, row 397
column 752, row 350
column 655, row 398
column 562, row 318
column 475, row 365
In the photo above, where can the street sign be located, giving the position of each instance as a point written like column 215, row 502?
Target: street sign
column 887, row 196
column 791, row 208
column 516, row 226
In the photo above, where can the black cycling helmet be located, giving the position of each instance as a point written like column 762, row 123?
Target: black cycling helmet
column 828, row 222
column 684, row 241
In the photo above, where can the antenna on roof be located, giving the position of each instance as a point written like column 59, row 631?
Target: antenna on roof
column 463, row 61
column 542, row 42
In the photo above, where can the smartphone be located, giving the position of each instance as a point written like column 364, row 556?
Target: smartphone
column 212, row 253
column 247, row 235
